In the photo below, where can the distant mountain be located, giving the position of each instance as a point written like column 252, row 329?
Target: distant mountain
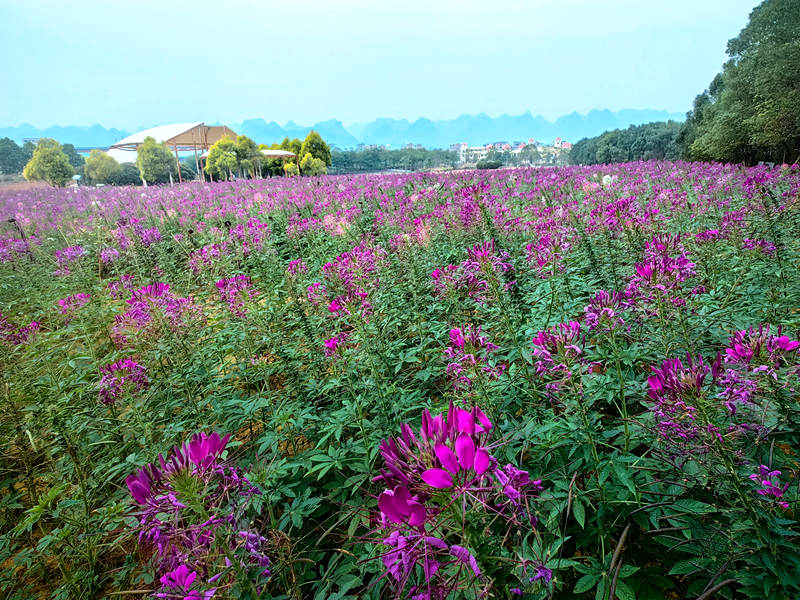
column 94, row 135
column 472, row 129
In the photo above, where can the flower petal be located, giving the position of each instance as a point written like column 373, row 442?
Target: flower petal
column 481, row 461
column 418, row 514
column 447, row 458
column 465, row 450
column 438, row 478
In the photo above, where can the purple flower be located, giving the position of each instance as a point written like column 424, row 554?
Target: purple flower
column 119, row 377
column 70, row 304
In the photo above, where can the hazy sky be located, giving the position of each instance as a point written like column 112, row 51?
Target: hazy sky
column 138, row 63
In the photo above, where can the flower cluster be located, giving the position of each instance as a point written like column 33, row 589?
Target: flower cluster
column 662, row 273
column 16, row 335
column 432, row 481
column 68, row 305
column 296, row 267
column 770, row 484
column 556, row 351
column 547, row 254
column 334, row 343
column 469, row 357
column 12, row 248
column 66, row 256
column 674, row 389
column 751, row 356
column 603, row 310
column 150, row 307
column 481, row 276
column 108, row 255
column 356, row 271
column 148, row 236
column 235, row 291
column 193, row 520
column 120, row 378
column 765, row 246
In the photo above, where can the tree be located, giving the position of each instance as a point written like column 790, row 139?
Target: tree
column 222, row 159
column 127, row 174
column 12, row 157
column 312, row 166
column 316, row 146
column 248, row 155
column 750, row 110
column 100, row 167
column 290, row 169
column 653, row 141
column 75, row 159
column 155, row 162
column 49, row 163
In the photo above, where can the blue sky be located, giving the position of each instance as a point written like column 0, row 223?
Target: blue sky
column 138, row 63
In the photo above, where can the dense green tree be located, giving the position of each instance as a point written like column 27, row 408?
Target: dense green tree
column 290, row 169
column 316, row 146
column 311, row 165
column 653, row 141
column 12, row 157
column 294, row 146
column 127, row 174
column 381, row 159
column 100, row 167
column 75, row 159
column 49, row 163
column 751, row 110
column 222, row 159
column 155, row 161
column 248, row 155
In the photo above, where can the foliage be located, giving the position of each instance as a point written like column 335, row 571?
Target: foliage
column 100, row 167
column 248, row 156
column 576, row 382
column 316, row 147
column 75, row 159
column 49, row 163
column 291, row 169
column 654, row 141
column 312, row 166
column 222, row 159
column 381, row 159
column 12, row 158
column 749, row 112
column 155, row 161
column 488, row 164
column 127, row 174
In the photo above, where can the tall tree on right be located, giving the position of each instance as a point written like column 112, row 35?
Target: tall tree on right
column 751, row 110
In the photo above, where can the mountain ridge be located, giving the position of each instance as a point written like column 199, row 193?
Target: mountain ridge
column 441, row 133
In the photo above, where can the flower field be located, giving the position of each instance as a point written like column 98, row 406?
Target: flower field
column 571, row 382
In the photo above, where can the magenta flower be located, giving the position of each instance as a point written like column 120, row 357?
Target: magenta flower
column 70, row 304
column 120, row 377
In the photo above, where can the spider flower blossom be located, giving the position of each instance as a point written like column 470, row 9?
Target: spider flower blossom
column 120, row 376
column 469, row 353
column 235, row 291
column 14, row 335
column 334, row 343
column 108, row 255
column 674, row 388
column 557, row 350
column 770, row 484
column 70, row 304
column 145, row 303
column 603, row 310
column 185, row 542
column 484, row 273
column 66, row 256
column 447, row 464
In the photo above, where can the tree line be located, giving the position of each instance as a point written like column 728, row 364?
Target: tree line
column 749, row 113
column 57, row 164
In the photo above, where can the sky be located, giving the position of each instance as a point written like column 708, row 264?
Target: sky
column 139, row 63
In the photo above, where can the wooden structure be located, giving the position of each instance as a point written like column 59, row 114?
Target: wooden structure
column 181, row 137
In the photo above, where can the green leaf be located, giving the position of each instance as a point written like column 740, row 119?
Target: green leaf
column 586, row 583
column 579, row 513
column 624, row 592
